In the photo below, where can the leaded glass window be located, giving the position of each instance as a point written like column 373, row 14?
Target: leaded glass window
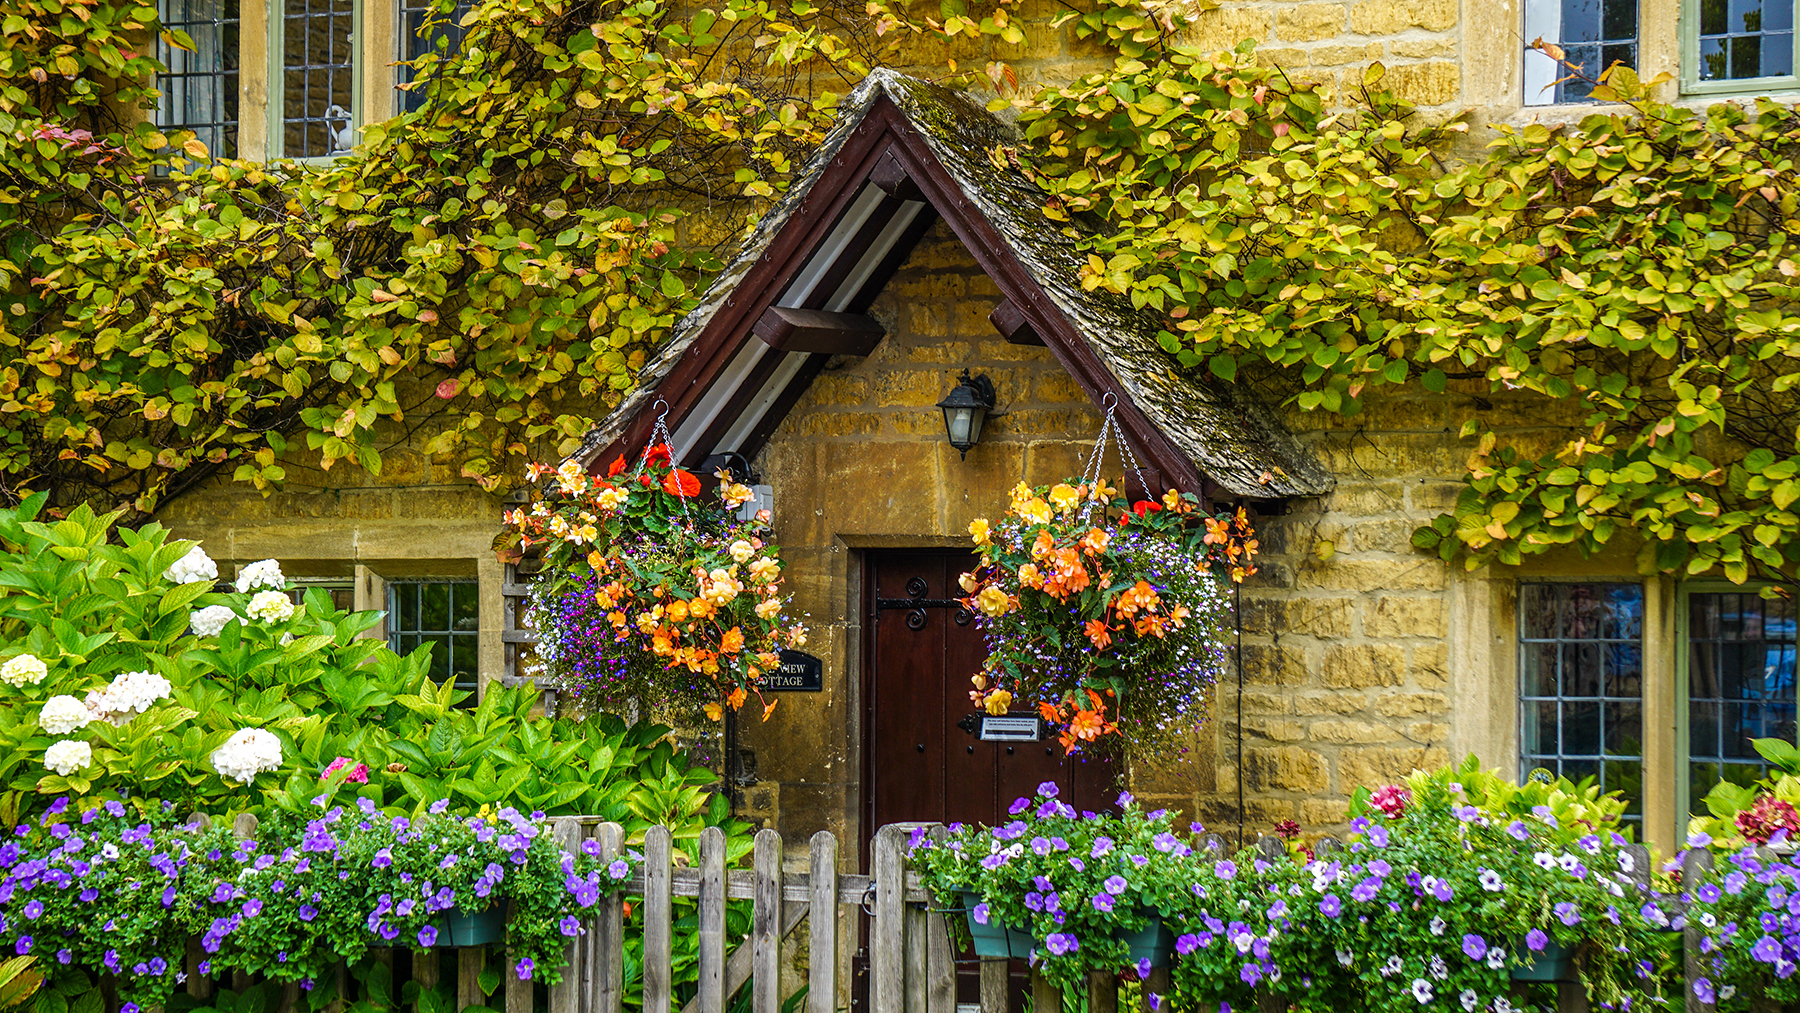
column 1593, row 35
column 445, row 614
column 318, row 84
column 442, row 36
column 1581, row 663
column 1744, row 39
column 1740, row 685
column 200, row 87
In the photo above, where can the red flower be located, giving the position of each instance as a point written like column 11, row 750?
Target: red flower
column 658, row 454
column 681, row 483
column 1144, row 506
column 616, row 467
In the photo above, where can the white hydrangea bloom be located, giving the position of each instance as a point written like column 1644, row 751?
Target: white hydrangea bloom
column 63, row 714
column 270, row 606
column 191, row 568
column 249, row 752
column 207, row 622
column 130, row 694
column 23, row 669
column 263, row 573
column 68, row 756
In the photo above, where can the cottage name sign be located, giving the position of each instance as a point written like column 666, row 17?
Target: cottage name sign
column 798, row 672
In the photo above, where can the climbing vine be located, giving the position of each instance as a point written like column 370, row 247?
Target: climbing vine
column 489, row 272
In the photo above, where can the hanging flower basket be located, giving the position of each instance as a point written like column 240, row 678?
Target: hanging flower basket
column 653, row 590
column 476, row 928
column 1111, row 619
column 988, row 936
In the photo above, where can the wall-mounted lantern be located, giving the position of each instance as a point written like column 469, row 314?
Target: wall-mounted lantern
column 965, row 409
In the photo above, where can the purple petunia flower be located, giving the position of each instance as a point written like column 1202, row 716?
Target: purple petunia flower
column 1225, row 869
column 980, row 914
column 1474, row 947
column 1536, row 940
column 1061, row 943
column 1330, row 906
column 1103, row 902
column 524, row 968
column 570, row 926
column 428, row 936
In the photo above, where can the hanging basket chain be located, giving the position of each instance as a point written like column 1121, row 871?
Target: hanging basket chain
column 1109, row 427
column 662, row 429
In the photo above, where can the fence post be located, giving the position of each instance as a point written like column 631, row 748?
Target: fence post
column 469, row 962
column 658, row 975
column 822, row 883
column 565, row 994
column 765, row 923
column 607, row 945
column 887, row 945
column 1695, row 864
column 1103, row 992
column 712, row 921
column 996, row 990
column 1045, row 997
column 1156, row 985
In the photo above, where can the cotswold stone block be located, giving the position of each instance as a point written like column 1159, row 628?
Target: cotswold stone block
column 1409, row 705
column 1360, row 666
column 1390, row 17
column 840, row 424
column 1323, row 812
column 1408, row 574
column 1306, row 617
column 1383, row 536
column 838, row 389
column 911, row 388
column 947, row 353
column 1330, row 703
column 1351, row 732
column 1427, row 84
column 1274, row 729
column 1405, row 617
column 1259, row 702
column 1285, row 768
column 1225, row 27
column 1269, row 665
column 1375, row 767
column 1309, row 22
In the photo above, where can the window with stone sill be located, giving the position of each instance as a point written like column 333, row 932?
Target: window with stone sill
column 313, row 94
column 446, row 615
column 1593, row 35
column 1745, row 46
column 1581, row 666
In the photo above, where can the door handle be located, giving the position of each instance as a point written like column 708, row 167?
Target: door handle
column 921, row 747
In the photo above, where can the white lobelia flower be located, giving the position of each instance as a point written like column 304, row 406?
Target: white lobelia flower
column 63, row 714
column 263, row 573
column 23, row 669
column 270, row 606
column 68, row 756
column 192, row 568
column 209, row 621
column 249, row 752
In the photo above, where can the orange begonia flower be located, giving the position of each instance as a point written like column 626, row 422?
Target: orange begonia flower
column 732, row 642
column 681, row 483
column 658, row 454
column 737, row 698
column 1097, row 632
column 1042, row 546
column 613, row 469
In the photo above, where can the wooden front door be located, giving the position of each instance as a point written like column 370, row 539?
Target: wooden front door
column 923, row 760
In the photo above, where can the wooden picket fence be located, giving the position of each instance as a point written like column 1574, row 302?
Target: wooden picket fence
column 911, row 963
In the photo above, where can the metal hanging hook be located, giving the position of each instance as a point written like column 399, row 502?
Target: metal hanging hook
column 1109, row 401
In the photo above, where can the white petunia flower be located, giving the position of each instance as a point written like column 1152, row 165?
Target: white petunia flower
column 1392, row 967
column 263, row 573
column 1439, row 969
column 68, row 756
column 1469, row 999
column 192, row 568
column 249, row 752
column 1491, row 881
column 209, row 621
column 63, row 714
column 23, row 669
column 1421, row 990
column 1627, row 864
column 270, row 607
column 1496, row 957
column 1438, row 925
column 1544, row 860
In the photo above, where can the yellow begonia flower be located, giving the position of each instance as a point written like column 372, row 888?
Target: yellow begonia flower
column 1064, row 497
column 968, row 583
column 764, row 570
column 742, row 550
column 993, row 601
column 978, row 530
column 768, row 608
column 998, row 701
column 1036, row 511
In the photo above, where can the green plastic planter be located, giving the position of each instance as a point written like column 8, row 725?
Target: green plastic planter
column 1154, row 942
column 994, row 939
column 478, row 928
column 1555, row 963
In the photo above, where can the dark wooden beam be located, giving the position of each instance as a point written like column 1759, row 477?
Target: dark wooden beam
column 1010, row 321
column 891, row 177
column 787, row 329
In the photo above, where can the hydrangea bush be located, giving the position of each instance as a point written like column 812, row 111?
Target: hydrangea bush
column 109, row 891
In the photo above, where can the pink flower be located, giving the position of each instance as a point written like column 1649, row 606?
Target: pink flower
column 1767, row 816
column 1392, row 800
column 359, row 774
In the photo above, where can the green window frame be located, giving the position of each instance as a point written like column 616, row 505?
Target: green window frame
column 1704, row 45
column 1694, row 727
column 312, row 74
